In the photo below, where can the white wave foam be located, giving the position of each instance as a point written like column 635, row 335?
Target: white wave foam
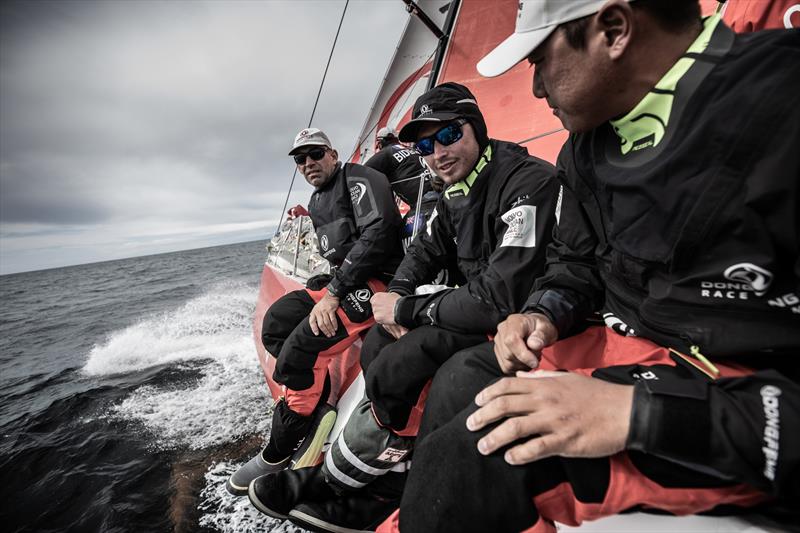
column 202, row 328
column 229, row 400
column 226, row 513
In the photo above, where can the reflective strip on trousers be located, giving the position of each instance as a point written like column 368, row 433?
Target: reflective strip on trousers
column 365, row 451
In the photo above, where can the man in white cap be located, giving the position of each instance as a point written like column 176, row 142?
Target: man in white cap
column 678, row 220
column 358, row 228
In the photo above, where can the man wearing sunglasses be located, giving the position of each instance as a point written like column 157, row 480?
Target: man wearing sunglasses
column 494, row 220
column 358, row 229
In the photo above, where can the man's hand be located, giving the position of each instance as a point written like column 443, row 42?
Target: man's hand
column 520, row 339
column 323, row 316
column 395, row 331
column 566, row 414
column 383, row 308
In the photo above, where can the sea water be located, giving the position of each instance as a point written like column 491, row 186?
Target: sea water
column 129, row 391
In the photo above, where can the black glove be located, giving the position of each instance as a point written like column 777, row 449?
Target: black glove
column 318, row 282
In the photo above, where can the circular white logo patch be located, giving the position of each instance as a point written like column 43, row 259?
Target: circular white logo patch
column 362, row 295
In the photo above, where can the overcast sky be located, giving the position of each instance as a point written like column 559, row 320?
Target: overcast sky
column 136, row 127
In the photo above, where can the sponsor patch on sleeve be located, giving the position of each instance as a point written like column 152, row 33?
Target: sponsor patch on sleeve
column 521, row 231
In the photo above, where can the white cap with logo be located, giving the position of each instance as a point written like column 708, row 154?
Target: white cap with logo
column 310, row 137
column 386, row 132
column 536, row 20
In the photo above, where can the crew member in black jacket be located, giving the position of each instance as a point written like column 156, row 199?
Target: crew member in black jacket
column 679, row 219
column 410, row 179
column 495, row 219
column 403, row 167
column 358, row 229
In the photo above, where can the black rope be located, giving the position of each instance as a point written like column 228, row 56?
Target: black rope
column 314, row 110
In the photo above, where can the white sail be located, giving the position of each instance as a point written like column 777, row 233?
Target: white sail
column 406, row 78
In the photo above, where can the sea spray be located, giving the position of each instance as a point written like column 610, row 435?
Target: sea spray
column 212, row 333
column 231, row 514
column 206, row 327
column 122, row 377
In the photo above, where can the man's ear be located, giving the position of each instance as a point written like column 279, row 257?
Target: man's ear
column 616, row 20
column 335, row 154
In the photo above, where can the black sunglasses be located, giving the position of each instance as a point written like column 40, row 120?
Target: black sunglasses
column 445, row 136
column 315, row 153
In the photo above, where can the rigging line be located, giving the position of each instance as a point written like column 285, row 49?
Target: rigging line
column 387, row 111
column 545, row 134
column 313, row 111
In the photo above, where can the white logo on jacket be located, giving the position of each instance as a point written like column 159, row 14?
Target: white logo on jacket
column 772, row 428
column 323, row 243
column 521, row 231
column 357, row 192
column 744, row 279
column 363, row 295
column 790, row 301
column 758, row 278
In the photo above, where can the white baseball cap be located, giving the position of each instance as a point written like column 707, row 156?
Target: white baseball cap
column 386, row 132
column 310, row 137
column 536, row 20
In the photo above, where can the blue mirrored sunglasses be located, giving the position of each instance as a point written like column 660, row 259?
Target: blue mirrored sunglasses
column 445, row 136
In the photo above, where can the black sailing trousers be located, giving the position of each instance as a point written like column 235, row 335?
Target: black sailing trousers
column 396, row 370
column 452, row 487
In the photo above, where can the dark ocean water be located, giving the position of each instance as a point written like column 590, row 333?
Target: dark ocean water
column 129, row 391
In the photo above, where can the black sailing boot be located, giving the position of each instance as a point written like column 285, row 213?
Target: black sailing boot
column 349, row 513
column 277, row 494
column 288, row 431
column 352, row 512
column 295, row 441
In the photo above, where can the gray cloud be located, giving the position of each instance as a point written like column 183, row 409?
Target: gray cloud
column 128, row 121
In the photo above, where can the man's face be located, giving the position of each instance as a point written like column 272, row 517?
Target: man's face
column 574, row 82
column 452, row 163
column 317, row 173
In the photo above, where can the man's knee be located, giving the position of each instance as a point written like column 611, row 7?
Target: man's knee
column 457, row 382
column 282, row 318
column 376, row 340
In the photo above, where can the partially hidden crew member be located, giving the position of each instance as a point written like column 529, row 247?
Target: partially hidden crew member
column 404, row 169
column 358, row 229
column 408, row 176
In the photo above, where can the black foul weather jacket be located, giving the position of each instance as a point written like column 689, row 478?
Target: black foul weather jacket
column 497, row 223
column 690, row 236
column 403, row 168
column 358, row 227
